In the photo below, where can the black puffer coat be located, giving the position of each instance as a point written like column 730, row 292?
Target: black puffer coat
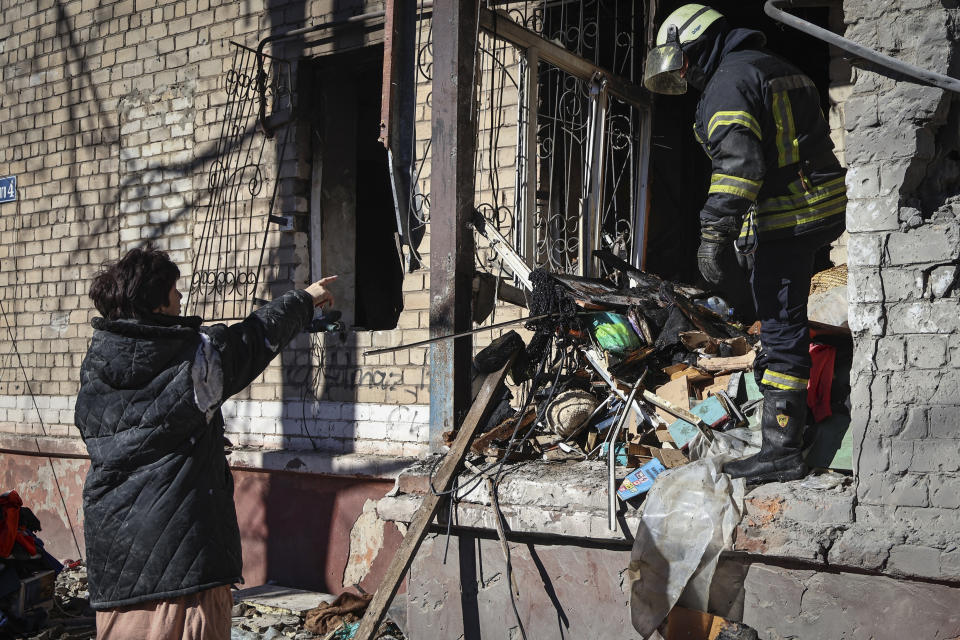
column 159, row 517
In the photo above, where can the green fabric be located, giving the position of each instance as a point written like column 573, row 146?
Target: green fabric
column 614, row 333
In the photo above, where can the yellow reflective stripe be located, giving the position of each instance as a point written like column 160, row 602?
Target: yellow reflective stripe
column 734, row 185
column 803, row 216
column 783, row 381
column 788, row 150
column 778, row 385
column 696, row 135
column 821, row 192
column 727, row 118
column 748, row 227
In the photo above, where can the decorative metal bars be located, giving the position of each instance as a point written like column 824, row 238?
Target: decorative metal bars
column 579, row 147
column 240, row 194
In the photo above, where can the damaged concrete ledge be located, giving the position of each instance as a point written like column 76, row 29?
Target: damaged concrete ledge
column 55, row 446
column 810, row 522
column 826, row 528
column 794, row 520
column 361, row 465
column 567, row 499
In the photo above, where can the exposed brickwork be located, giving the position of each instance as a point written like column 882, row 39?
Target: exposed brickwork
column 904, row 250
column 112, row 114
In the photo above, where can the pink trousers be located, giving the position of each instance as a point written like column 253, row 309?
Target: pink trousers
column 198, row 616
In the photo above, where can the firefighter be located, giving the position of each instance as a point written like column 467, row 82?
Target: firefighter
column 776, row 195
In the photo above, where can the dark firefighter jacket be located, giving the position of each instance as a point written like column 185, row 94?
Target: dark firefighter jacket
column 759, row 120
column 159, row 518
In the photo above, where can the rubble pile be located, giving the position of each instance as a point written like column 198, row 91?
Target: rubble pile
column 630, row 374
column 272, row 612
column 249, row 623
column 70, row 617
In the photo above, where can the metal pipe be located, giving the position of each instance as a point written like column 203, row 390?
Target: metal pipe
column 470, row 332
column 612, row 457
column 924, row 76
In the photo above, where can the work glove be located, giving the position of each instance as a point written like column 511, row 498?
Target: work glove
column 716, row 257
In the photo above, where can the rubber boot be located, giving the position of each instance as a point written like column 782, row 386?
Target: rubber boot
column 780, row 458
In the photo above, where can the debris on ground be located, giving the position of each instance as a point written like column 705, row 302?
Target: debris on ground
column 656, row 379
column 268, row 612
column 27, row 572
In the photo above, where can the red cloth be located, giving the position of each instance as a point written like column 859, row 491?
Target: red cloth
column 821, row 379
column 10, row 504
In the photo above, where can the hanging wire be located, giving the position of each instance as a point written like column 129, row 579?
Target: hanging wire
column 43, row 428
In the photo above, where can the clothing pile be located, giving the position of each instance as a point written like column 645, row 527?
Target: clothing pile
column 27, row 572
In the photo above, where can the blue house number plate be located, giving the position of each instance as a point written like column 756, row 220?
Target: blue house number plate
column 8, row 189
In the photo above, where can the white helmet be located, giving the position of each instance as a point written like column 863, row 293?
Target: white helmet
column 664, row 62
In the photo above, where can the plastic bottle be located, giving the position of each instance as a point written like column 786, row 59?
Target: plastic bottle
column 719, row 306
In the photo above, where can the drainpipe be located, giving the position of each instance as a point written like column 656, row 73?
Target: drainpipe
column 923, row 76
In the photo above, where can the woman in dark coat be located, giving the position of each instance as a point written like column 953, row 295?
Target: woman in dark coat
column 161, row 531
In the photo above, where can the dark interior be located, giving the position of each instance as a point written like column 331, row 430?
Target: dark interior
column 680, row 170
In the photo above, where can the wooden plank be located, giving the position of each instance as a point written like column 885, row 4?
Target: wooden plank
column 449, row 468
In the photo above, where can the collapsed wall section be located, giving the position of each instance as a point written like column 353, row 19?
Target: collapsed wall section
column 904, row 251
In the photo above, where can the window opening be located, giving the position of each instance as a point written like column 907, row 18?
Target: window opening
column 353, row 220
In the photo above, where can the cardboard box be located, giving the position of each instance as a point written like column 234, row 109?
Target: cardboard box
column 711, row 410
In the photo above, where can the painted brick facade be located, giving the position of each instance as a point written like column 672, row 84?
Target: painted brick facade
column 112, row 112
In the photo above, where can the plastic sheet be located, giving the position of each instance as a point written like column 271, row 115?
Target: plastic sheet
column 688, row 518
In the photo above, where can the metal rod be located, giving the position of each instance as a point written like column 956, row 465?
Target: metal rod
column 506, row 323
column 612, row 457
column 502, row 26
column 924, row 76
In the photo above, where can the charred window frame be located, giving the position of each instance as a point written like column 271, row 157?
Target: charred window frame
column 353, row 223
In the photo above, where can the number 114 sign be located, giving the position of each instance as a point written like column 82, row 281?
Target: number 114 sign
column 8, row 189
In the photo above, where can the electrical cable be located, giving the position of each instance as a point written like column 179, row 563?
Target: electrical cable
column 43, row 428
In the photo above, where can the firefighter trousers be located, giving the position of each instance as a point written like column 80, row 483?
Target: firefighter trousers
column 780, row 284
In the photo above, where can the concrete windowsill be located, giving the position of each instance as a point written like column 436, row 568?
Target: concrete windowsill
column 319, row 462
column 569, row 500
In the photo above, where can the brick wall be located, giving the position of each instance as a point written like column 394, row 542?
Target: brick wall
column 904, row 251
column 112, row 112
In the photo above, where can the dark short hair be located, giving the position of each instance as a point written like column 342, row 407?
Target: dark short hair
column 136, row 284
